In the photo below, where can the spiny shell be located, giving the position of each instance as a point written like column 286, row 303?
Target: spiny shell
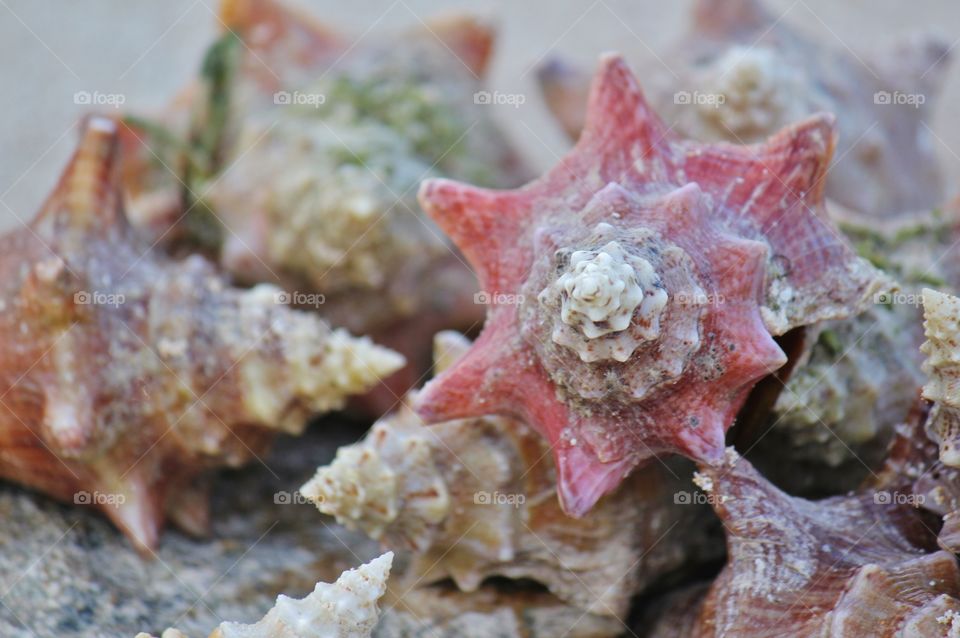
column 941, row 314
column 852, row 566
column 344, row 609
column 737, row 239
column 742, row 73
column 476, row 498
column 125, row 373
column 304, row 157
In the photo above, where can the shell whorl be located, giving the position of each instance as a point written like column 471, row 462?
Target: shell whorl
column 941, row 325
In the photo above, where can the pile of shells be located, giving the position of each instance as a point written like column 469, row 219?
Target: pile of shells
column 716, row 391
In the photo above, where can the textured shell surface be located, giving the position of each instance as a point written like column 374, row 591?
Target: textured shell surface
column 304, row 151
column 941, row 312
column 742, row 73
column 476, row 498
column 712, row 248
column 346, row 608
column 125, row 373
column 856, row 565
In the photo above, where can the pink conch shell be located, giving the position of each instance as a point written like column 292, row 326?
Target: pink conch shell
column 124, row 373
column 303, row 155
column 852, row 566
column 476, row 498
column 742, row 73
column 346, row 608
column 709, row 249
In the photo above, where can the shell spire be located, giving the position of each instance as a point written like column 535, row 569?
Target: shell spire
column 635, row 289
column 475, row 498
column 344, row 609
column 941, row 313
column 125, row 375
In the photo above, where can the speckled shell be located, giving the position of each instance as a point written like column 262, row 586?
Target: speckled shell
column 941, row 325
column 344, row 609
column 304, row 154
column 852, row 566
column 742, row 73
column 735, row 235
column 124, row 373
column 476, row 498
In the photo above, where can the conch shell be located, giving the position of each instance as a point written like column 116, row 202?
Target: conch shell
column 857, row 565
column 941, row 313
column 742, row 73
column 125, row 374
column 344, row 609
column 728, row 246
column 476, row 498
column 302, row 161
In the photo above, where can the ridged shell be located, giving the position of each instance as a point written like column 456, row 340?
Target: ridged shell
column 302, row 162
column 742, row 73
column 852, row 566
column 476, row 498
column 125, row 374
column 736, row 237
column 344, row 609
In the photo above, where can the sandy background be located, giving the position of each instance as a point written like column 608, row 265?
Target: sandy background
column 144, row 50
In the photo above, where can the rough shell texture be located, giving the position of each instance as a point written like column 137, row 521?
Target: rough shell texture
column 736, row 237
column 857, row 565
column 125, row 373
column 344, row 609
column 743, row 73
column 476, row 498
column 853, row 380
column 303, row 158
column 941, row 314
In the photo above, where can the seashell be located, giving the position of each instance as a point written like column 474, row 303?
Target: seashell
column 475, row 498
column 311, row 181
column 941, row 313
column 854, row 380
column 855, row 565
column 742, row 73
column 344, row 609
column 736, row 238
column 125, row 374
